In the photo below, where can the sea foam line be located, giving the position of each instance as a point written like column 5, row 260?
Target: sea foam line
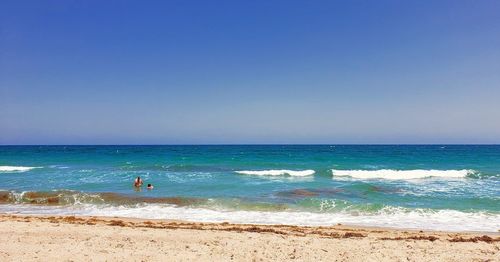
column 448, row 220
column 401, row 174
column 16, row 168
column 277, row 172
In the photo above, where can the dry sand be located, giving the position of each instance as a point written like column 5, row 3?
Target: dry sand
column 44, row 238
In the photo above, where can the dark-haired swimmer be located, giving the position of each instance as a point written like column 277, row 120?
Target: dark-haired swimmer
column 138, row 182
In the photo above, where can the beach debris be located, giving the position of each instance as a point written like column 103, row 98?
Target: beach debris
column 429, row 238
column 476, row 239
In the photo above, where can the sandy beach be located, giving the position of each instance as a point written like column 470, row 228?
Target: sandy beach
column 58, row 238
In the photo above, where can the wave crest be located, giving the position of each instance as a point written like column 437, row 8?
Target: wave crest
column 16, row 168
column 402, row 174
column 277, row 172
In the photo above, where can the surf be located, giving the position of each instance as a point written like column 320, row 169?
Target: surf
column 16, row 168
column 394, row 217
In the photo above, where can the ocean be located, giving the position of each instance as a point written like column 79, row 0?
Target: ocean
column 431, row 187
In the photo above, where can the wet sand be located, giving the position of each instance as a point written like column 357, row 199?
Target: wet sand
column 59, row 238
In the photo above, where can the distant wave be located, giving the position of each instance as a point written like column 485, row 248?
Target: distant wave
column 277, row 172
column 16, row 168
column 401, row 174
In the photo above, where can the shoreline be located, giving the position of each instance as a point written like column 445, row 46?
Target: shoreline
column 37, row 240
column 76, row 219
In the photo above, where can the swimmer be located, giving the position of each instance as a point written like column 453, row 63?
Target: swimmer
column 138, row 182
column 150, row 186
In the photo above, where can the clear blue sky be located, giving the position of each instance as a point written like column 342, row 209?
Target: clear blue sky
column 170, row 72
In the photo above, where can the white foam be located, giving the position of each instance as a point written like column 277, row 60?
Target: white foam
column 16, row 168
column 277, row 172
column 401, row 174
column 425, row 219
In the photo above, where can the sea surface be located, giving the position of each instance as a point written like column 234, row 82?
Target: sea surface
column 434, row 187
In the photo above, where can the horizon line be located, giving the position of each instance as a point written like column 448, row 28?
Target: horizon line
column 272, row 144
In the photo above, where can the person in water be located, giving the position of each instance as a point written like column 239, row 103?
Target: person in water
column 150, row 186
column 138, row 182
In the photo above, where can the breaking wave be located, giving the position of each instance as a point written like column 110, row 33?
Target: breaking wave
column 304, row 211
column 449, row 220
column 16, row 168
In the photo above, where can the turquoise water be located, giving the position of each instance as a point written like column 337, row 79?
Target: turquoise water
column 450, row 187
